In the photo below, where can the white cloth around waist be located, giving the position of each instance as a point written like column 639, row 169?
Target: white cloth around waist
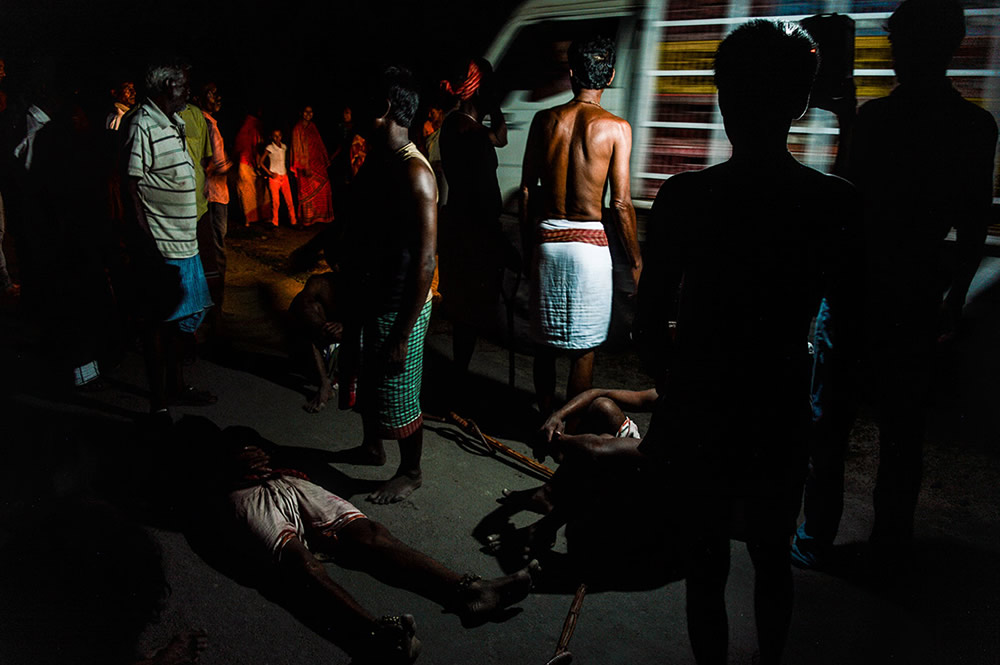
column 572, row 289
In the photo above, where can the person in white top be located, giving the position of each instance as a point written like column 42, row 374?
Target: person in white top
column 273, row 162
column 124, row 98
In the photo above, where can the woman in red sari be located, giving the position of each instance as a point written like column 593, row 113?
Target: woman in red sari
column 309, row 164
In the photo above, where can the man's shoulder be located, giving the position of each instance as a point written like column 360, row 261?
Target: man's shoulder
column 833, row 193
column 140, row 115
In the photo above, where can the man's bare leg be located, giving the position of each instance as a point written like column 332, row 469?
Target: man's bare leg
column 371, row 452
column 367, row 545
column 328, row 608
column 581, row 374
column 318, row 402
column 544, row 375
column 408, row 476
column 603, row 417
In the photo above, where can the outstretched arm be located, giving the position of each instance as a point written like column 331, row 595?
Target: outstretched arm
column 621, row 199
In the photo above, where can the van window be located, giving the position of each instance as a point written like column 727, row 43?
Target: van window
column 537, row 59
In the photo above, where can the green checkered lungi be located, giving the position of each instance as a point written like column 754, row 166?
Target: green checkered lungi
column 395, row 400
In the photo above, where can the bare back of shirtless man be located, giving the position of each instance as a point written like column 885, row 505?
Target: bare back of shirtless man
column 574, row 151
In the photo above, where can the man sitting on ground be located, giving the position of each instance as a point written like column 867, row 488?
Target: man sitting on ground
column 317, row 329
column 601, row 451
column 276, row 519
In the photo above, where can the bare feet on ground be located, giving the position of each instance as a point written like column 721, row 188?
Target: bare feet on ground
column 536, row 500
column 397, row 488
column 316, row 404
column 482, row 599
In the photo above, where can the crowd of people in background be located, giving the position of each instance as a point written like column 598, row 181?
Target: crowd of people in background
column 119, row 225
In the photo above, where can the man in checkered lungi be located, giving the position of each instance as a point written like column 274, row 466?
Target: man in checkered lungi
column 390, row 242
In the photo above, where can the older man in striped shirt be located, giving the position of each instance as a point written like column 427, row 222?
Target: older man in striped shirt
column 160, row 179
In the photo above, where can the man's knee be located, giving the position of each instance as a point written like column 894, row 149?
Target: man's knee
column 360, row 536
column 603, row 417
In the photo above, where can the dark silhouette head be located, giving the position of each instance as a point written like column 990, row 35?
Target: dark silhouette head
column 925, row 35
column 764, row 71
column 396, row 86
column 592, row 63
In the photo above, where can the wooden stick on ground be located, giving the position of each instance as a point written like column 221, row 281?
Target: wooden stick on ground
column 562, row 654
column 470, row 427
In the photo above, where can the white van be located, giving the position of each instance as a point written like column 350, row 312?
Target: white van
column 664, row 86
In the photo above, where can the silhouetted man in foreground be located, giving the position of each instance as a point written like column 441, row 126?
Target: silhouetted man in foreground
column 573, row 151
column 739, row 255
column 922, row 159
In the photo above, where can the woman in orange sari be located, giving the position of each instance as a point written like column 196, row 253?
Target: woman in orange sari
column 309, row 165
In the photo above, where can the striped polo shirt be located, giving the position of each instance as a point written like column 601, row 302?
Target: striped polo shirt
column 158, row 156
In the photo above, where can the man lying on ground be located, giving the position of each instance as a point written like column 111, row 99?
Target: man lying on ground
column 277, row 521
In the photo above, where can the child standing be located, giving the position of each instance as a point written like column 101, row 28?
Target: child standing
column 273, row 161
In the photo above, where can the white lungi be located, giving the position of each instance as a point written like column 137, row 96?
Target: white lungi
column 572, row 289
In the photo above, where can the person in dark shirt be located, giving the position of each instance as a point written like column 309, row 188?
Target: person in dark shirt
column 739, row 256
column 922, row 159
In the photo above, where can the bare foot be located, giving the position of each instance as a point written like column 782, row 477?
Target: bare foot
column 397, row 488
column 361, row 456
column 393, row 642
column 482, row 599
column 316, row 404
column 537, row 500
column 184, row 648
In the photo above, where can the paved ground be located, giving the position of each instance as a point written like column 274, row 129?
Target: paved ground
column 57, row 442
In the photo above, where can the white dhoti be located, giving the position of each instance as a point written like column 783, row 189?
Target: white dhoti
column 572, row 285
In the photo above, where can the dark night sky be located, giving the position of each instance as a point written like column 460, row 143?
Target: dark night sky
column 306, row 51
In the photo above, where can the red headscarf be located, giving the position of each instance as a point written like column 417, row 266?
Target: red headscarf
column 469, row 86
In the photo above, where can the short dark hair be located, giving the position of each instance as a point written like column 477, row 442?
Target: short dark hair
column 592, row 62
column 398, row 85
column 772, row 61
